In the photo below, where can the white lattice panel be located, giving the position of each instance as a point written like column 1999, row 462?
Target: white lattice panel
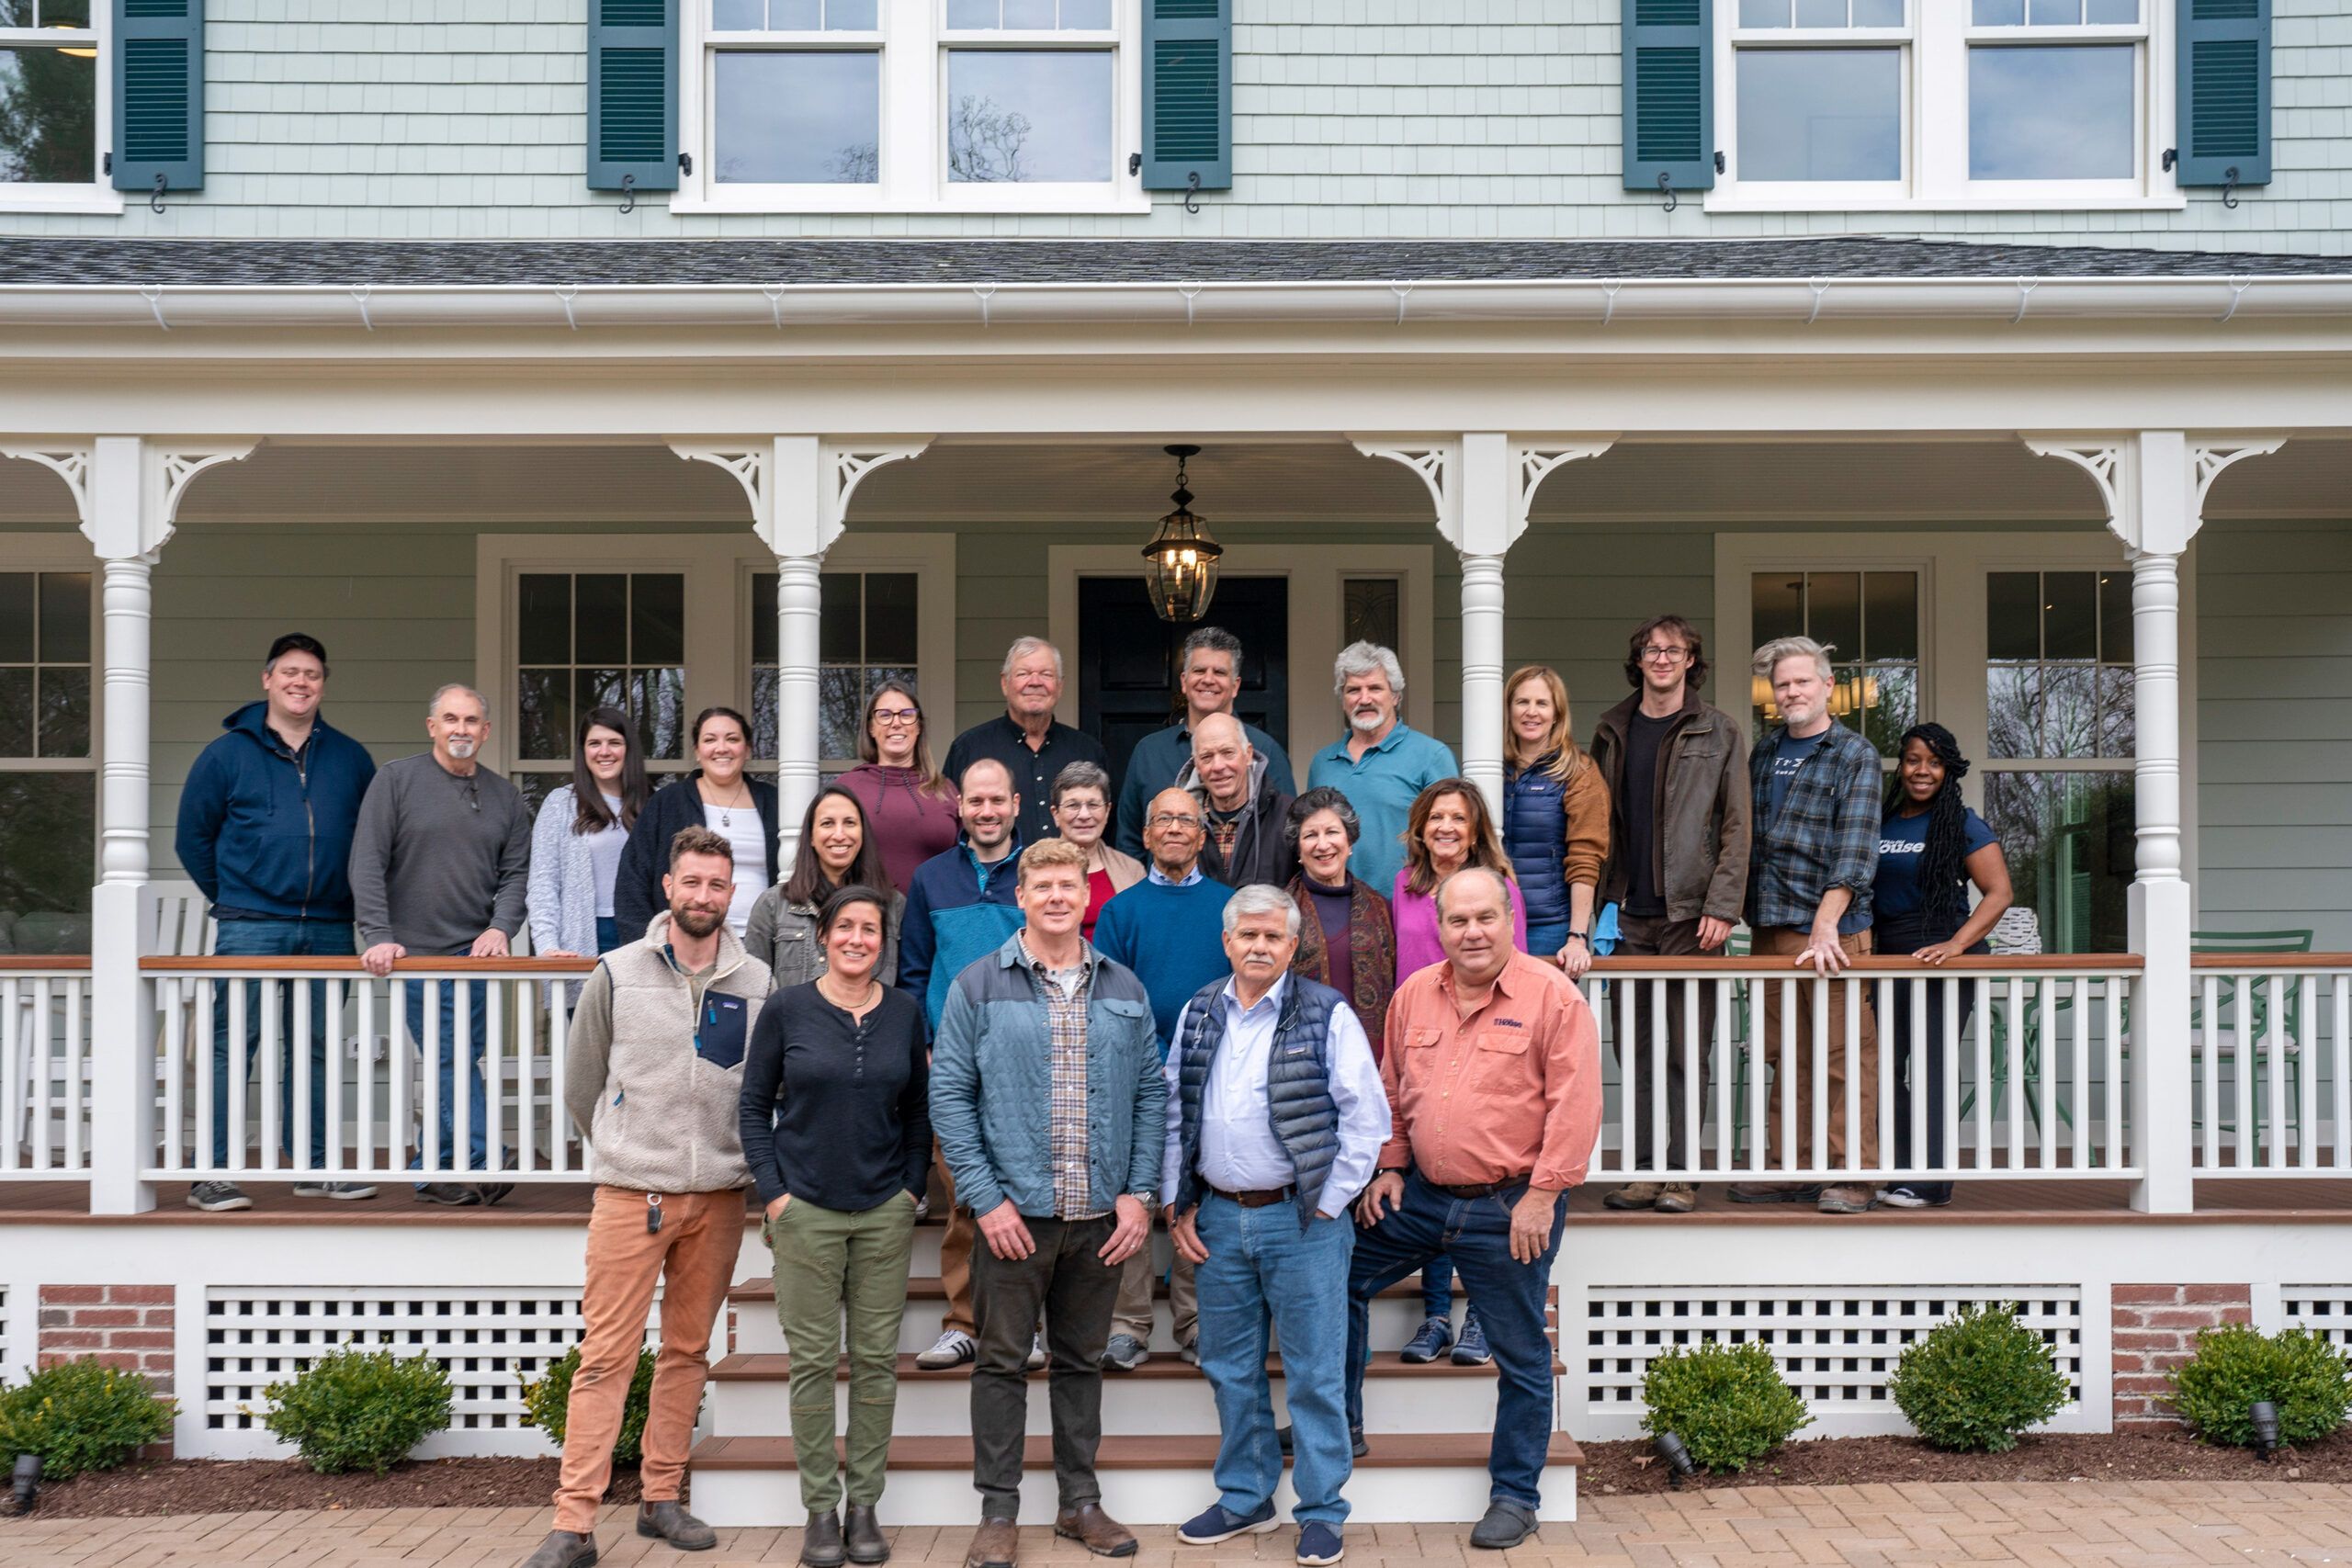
column 1836, row 1344
column 7, row 1366
column 2323, row 1309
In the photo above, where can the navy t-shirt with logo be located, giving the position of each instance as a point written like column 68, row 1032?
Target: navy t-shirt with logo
column 1902, row 848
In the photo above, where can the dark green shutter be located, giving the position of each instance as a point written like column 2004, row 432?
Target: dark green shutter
column 158, row 94
column 1188, row 94
column 2224, row 134
column 633, row 95
column 1669, row 48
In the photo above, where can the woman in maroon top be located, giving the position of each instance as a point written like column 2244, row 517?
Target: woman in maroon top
column 909, row 808
column 1081, row 810
column 1347, row 939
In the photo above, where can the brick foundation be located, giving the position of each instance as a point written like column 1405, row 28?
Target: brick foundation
column 2154, row 1331
column 130, row 1326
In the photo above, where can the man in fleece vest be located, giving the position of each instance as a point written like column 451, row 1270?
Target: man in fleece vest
column 1275, row 1116
column 655, row 1075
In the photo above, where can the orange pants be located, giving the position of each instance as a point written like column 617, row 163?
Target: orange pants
column 692, row 1256
column 1774, row 942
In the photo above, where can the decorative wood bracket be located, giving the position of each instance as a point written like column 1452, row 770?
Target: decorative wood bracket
column 800, row 485
column 127, row 488
column 2154, row 483
column 1436, row 461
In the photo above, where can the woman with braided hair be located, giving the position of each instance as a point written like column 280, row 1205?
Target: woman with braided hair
column 1931, row 847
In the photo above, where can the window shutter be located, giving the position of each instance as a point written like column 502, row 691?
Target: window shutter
column 1188, row 94
column 158, row 94
column 2224, row 102
column 632, row 95
column 1669, row 48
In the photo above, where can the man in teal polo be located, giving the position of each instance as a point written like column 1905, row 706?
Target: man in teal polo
column 1382, row 763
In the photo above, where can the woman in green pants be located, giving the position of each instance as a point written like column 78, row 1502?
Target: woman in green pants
column 838, row 1136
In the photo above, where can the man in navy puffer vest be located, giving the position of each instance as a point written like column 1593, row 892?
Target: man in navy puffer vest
column 1275, row 1116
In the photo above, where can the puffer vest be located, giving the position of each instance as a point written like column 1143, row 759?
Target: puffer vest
column 1298, row 1086
column 1535, row 832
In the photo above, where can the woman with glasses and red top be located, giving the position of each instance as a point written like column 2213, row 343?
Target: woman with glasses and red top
column 909, row 807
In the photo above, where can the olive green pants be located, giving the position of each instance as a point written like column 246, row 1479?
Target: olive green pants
column 830, row 1264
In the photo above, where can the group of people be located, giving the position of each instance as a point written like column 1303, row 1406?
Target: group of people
column 1328, row 1039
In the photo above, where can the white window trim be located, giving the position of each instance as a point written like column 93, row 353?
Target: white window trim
column 914, row 145
column 97, row 199
column 1935, row 99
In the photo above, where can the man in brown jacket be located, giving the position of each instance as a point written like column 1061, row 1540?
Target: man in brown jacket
column 1677, row 770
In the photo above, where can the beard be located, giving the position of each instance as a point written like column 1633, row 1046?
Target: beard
column 1364, row 719
column 696, row 922
column 461, row 748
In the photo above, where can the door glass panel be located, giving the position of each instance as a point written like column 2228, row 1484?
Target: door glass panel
column 66, row 617
column 48, row 859
column 2068, row 840
column 592, row 639
column 1869, row 622
column 868, row 625
column 2059, row 681
column 1369, row 612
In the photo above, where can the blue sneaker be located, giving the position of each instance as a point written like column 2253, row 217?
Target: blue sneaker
column 1217, row 1522
column 1319, row 1544
column 1436, row 1333
column 1470, row 1351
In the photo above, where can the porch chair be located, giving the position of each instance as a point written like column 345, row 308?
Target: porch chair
column 2219, row 1035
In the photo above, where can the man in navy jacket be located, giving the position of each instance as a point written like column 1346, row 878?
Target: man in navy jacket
column 265, row 826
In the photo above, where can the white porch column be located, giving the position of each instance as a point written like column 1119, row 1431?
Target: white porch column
column 2154, row 483
column 799, row 488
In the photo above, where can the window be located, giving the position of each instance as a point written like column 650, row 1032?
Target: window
column 1870, row 622
column 1370, row 611
column 865, row 635
column 49, row 93
column 595, row 640
column 1883, row 103
column 901, row 104
column 48, row 784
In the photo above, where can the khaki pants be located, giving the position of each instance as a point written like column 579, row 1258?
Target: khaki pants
column 955, row 1247
column 1789, row 941
column 1133, row 1313
column 693, row 1256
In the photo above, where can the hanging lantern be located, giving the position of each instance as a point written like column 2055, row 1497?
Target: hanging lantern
column 1180, row 561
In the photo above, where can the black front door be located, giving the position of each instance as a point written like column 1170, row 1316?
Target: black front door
column 1127, row 659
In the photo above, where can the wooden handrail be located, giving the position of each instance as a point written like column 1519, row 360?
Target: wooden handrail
column 337, row 965
column 1878, row 963
column 77, row 962
column 2270, row 960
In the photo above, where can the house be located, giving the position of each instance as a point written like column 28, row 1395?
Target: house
column 2001, row 343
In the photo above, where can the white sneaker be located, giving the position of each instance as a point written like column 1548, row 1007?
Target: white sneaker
column 952, row 1349
column 1036, row 1352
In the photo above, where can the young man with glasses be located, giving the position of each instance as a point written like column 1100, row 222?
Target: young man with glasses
column 1677, row 772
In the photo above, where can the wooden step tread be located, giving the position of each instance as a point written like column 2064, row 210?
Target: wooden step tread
column 1390, row 1450
column 927, row 1288
column 773, row 1366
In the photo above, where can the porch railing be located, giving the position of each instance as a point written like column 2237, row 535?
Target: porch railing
column 2034, row 1078
column 2271, row 1037
column 368, row 1101
column 44, row 1068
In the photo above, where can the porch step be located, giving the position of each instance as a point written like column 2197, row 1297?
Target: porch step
column 1408, row 1477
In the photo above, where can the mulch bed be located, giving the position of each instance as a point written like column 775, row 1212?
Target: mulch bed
column 223, row 1486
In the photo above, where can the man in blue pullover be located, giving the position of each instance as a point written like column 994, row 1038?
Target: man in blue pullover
column 266, row 825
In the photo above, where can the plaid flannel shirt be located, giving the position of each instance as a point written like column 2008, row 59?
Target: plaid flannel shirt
column 1825, row 835
column 1066, row 1015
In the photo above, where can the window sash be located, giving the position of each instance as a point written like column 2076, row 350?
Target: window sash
column 101, row 108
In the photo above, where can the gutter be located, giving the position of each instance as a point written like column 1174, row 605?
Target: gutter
column 367, row 307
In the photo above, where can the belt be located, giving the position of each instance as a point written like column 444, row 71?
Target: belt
column 1484, row 1189
column 1264, row 1198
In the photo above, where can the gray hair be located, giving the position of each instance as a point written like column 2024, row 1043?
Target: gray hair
column 1022, row 647
column 1322, row 797
column 1362, row 659
column 432, row 703
column 1768, row 657
column 1502, row 889
column 1262, row 898
column 1214, row 639
column 1080, row 776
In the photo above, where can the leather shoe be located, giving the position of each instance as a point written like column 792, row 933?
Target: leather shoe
column 1097, row 1532
column 866, row 1542
column 1506, row 1524
column 668, row 1521
column 820, row 1540
column 996, row 1544
column 563, row 1549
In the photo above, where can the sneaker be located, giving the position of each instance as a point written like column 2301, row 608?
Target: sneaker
column 449, row 1194
column 217, row 1197
column 1189, row 1354
column 1845, row 1201
column 1633, row 1195
column 953, row 1348
column 1774, row 1193
column 1216, row 1522
column 1435, row 1339
column 1470, row 1351
column 341, row 1191
column 1676, row 1198
column 1124, row 1354
column 1318, row 1544
column 1909, row 1197
column 1036, row 1362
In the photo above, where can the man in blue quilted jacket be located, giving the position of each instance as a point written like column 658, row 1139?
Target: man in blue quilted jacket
column 1047, row 1099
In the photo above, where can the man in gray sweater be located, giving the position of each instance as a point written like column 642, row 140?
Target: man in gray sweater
column 438, row 865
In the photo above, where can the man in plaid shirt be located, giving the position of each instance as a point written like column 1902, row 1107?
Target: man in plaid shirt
column 1816, row 787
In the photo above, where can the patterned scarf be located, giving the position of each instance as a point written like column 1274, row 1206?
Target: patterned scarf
column 1372, row 953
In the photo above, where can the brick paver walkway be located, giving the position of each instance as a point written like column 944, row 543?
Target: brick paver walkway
column 2106, row 1525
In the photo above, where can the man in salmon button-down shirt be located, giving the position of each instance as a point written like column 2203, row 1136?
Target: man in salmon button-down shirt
column 1493, row 1073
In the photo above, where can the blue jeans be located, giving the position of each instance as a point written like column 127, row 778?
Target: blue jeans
column 477, row 1110
column 1263, row 1269
column 1436, row 1287
column 1547, row 940
column 608, row 934
column 275, row 939
column 1477, row 1232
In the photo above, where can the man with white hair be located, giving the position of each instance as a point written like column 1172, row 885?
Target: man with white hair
column 1034, row 747
column 438, row 866
column 1812, row 859
column 1275, row 1115
column 1245, row 810
column 1209, row 677
column 1383, row 762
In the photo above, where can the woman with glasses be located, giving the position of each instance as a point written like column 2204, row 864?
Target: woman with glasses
column 836, row 852
column 716, row 796
column 909, row 808
column 1555, row 817
column 576, row 843
column 1081, row 810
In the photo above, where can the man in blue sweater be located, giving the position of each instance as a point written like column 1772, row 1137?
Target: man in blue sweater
column 266, row 825
column 1169, row 929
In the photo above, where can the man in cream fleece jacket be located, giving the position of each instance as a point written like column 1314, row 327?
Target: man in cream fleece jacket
column 654, row 1074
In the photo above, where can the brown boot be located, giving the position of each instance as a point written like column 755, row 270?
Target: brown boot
column 1633, row 1195
column 1676, row 1198
column 996, row 1544
column 1097, row 1532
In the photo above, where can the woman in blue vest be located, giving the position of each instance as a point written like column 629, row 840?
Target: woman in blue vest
column 1555, row 817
